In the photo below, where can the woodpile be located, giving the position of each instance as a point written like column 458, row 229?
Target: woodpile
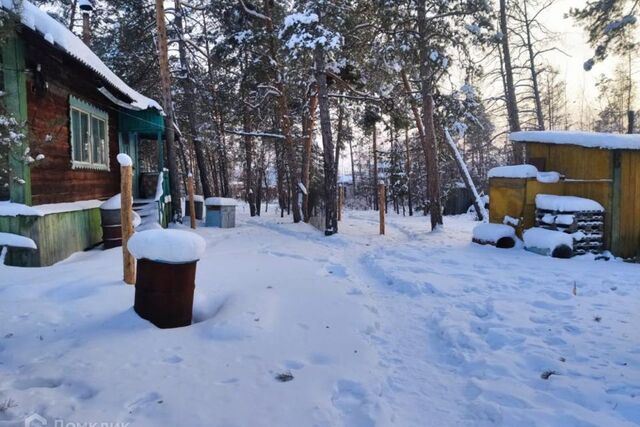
column 586, row 226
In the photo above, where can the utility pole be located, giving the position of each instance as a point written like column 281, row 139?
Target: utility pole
column 165, row 80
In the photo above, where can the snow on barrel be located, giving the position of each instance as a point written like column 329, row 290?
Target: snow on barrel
column 111, row 222
column 165, row 282
column 498, row 235
column 167, row 246
column 549, row 242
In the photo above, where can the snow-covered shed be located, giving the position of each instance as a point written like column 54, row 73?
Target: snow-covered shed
column 75, row 115
column 601, row 167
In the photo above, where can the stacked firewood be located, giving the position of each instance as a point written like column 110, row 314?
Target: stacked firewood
column 587, row 227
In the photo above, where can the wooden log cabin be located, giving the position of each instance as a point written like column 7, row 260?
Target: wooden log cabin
column 77, row 115
column 596, row 166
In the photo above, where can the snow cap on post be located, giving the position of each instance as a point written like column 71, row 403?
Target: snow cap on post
column 167, row 246
column 124, row 160
column 86, row 5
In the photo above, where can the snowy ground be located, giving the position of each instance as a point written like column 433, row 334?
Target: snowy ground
column 410, row 329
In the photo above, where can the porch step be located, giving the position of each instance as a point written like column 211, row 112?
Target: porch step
column 148, row 211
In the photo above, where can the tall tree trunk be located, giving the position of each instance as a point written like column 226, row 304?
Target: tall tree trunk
column 72, row 14
column 187, row 83
column 353, row 166
column 165, row 77
column 408, row 171
column 532, row 69
column 330, row 185
column 339, row 138
column 211, row 158
column 430, row 143
column 222, row 156
column 261, row 173
column 220, row 149
column 248, row 158
column 309, row 123
column 280, row 181
column 283, row 116
column 374, row 184
column 510, row 91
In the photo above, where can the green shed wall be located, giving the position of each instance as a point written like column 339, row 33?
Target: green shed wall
column 57, row 235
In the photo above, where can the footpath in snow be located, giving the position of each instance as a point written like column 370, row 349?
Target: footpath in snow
column 296, row 329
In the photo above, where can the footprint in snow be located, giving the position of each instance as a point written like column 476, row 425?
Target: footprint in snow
column 173, row 359
column 350, row 398
column 37, row 382
column 144, row 401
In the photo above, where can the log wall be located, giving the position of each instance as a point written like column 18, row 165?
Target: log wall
column 53, row 180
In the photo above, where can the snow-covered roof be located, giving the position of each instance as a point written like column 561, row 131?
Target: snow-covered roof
column 220, row 201
column 609, row 141
column 58, row 35
column 552, row 202
column 515, row 171
column 17, row 209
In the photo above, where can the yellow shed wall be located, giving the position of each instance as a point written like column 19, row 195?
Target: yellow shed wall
column 627, row 236
column 573, row 161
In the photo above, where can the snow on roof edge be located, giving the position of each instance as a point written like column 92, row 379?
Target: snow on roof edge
column 607, row 141
column 57, row 34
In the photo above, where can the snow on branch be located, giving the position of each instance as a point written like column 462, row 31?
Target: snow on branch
column 254, row 13
column 255, row 134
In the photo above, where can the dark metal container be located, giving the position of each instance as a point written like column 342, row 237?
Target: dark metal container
column 164, row 293
column 111, row 228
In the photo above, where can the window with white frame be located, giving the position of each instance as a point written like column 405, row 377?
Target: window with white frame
column 89, row 136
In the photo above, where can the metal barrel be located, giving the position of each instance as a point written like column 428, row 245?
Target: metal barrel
column 164, row 293
column 111, row 228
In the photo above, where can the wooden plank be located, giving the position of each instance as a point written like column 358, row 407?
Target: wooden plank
column 15, row 102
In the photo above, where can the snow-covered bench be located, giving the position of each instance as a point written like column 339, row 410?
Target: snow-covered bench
column 498, row 235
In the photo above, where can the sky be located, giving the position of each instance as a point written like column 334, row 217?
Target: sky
column 573, row 41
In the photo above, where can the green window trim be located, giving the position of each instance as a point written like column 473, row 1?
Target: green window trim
column 92, row 150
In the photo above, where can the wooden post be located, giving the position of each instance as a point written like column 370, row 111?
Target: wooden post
column 126, row 219
column 192, row 203
column 381, row 201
